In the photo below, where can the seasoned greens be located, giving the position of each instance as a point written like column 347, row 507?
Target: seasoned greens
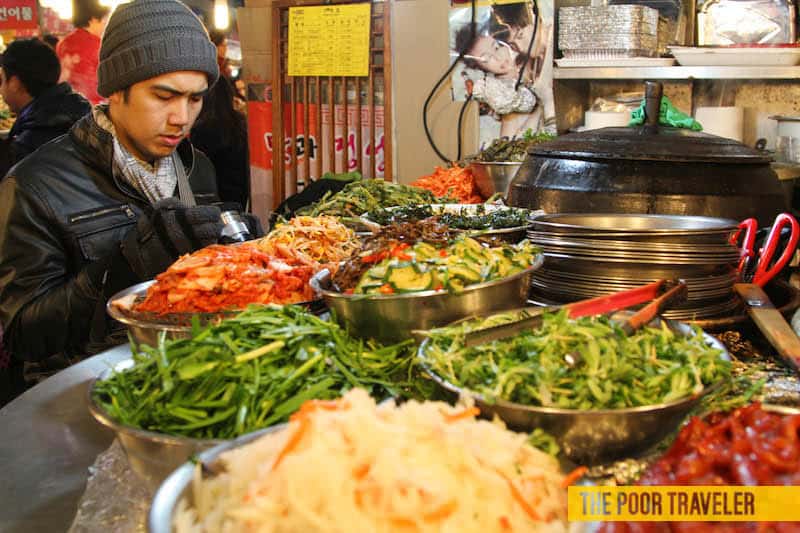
column 250, row 372
column 654, row 365
column 512, row 150
column 469, row 218
column 362, row 196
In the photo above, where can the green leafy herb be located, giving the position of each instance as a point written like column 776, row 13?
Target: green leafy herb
column 252, row 371
column 362, row 196
column 544, row 441
column 513, row 150
column 653, row 366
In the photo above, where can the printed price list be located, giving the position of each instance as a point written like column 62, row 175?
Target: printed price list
column 329, row 40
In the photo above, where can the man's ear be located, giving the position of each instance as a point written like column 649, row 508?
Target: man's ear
column 15, row 84
column 116, row 98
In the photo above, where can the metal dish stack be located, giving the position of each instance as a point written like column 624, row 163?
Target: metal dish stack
column 606, row 32
column 588, row 255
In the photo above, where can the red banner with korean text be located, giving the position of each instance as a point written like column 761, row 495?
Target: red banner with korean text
column 18, row 15
column 262, row 143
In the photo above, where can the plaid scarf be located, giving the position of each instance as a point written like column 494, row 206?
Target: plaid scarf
column 155, row 182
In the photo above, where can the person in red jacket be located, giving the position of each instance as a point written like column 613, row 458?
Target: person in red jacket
column 79, row 50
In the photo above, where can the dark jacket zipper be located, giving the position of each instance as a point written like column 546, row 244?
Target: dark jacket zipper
column 102, row 212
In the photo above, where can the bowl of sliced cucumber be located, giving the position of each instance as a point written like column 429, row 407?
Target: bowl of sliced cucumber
column 419, row 286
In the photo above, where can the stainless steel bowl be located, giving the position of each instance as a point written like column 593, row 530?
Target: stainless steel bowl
column 591, row 437
column 144, row 328
column 152, row 455
column 392, row 318
column 178, row 485
column 494, row 177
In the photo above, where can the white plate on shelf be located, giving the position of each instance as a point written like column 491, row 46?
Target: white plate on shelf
column 616, row 62
column 739, row 56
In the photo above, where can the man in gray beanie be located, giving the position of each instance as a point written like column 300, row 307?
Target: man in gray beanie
column 115, row 201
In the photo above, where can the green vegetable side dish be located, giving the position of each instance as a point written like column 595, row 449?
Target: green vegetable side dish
column 422, row 266
column 250, row 372
column 362, row 196
column 473, row 218
column 655, row 365
column 512, row 150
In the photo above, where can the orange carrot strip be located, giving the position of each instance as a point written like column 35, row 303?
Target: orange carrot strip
column 325, row 405
column 404, row 523
column 293, row 441
column 520, row 499
column 574, row 476
column 362, row 470
column 470, row 412
column 442, row 512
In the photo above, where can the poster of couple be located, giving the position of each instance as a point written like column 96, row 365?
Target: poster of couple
column 506, row 64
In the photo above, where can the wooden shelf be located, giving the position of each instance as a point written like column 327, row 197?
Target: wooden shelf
column 676, row 73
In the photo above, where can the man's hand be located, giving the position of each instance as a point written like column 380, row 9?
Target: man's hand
column 171, row 231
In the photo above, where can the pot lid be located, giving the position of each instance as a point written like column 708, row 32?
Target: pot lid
column 649, row 143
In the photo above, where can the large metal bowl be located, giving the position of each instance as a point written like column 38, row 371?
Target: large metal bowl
column 152, row 455
column 144, row 328
column 494, row 177
column 178, row 485
column 595, row 436
column 392, row 318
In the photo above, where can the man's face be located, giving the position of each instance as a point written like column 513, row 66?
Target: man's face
column 158, row 113
column 10, row 91
column 98, row 25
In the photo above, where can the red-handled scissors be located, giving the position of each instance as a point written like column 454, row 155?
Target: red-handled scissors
column 765, row 268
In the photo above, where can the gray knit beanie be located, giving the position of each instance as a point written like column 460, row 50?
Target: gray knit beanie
column 148, row 38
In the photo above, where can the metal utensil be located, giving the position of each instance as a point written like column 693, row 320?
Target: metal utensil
column 676, row 294
column 759, row 267
column 771, row 323
column 493, row 177
column 593, row 306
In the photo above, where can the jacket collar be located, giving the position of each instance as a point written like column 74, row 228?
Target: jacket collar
column 36, row 111
column 96, row 147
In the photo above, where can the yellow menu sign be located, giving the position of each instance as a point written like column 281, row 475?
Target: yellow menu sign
column 330, row 40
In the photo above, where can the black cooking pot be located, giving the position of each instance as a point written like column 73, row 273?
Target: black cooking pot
column 648, row 169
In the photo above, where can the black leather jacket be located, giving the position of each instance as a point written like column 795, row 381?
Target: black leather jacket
column 49, row 115
column 61, row 211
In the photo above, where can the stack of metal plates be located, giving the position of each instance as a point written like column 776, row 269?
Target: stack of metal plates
column 592, row 255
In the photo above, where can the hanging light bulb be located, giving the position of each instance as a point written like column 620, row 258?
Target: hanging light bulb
column 63, row 8
column 222, row 17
